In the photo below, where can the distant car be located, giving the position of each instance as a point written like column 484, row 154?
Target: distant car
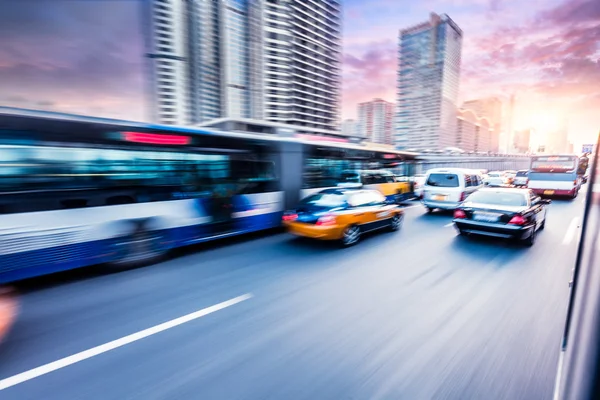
column 342, row 214
column 520, row 179
column 502, row 212
column 509, row 176
column 446, row 188
column 418, row 182
column 495, row 179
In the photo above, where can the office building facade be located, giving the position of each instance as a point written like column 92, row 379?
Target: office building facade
column 375, row 121
column 427, row 85
column 262, row 59
column 490, row 108
column 473, row 132
column 350, row 127
column 168, row 79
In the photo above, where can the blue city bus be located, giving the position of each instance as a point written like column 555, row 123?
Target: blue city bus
column 77, row 191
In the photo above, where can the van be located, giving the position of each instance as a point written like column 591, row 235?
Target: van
column 446, row 188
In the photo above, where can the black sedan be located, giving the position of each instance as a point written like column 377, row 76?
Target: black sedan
column 505, row 213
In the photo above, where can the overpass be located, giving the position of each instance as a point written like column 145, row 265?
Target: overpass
column 490, row 162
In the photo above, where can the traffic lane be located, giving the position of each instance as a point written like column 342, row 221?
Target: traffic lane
column 61, row 318
column 329, row 329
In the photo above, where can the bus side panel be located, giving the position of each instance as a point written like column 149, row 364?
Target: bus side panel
column 292, row 168
column 258, row 211
column 39, row 243
column 32, row 263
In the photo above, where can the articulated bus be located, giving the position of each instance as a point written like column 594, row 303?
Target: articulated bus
column 77, row 191
column 556, row 175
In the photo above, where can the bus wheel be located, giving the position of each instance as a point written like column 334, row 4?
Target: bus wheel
column 141, row 247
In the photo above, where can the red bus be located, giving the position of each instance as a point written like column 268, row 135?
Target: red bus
column 556, row 175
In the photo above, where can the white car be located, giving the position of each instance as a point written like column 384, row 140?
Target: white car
column 521, row 178
column 419, row 182
column 495, row 178
column 446, row 188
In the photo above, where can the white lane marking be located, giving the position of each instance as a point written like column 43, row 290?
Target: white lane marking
column 449, row 225
column 571, row 231
column 94, row 351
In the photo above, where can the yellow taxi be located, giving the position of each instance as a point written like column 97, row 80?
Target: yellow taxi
column 343, row 214
column 392, row 187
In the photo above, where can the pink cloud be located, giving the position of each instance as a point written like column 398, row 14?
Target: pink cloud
column 368, row 74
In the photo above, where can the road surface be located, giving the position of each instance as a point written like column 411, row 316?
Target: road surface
column 416, row 314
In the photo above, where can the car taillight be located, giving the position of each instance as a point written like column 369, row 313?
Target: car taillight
column 575, row 182
column 326, row 220
column 459, row 214
column 518, row 220
column 463, row 196
column 289, row 217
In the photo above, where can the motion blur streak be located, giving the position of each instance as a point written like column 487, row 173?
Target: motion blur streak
column 8, row 310
column 415, row 314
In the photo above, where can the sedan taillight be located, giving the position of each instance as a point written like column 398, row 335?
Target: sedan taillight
column 326, row 220
column 459, row 214
column 518, row 220
column 289, row 217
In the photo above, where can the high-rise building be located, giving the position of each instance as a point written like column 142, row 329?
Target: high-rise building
column 490, row 108
column 375, row 121
column 428, row 79
column 259, row 59
column 349, row 127
column 316, row 62
column 473, row 133
column 522, row 140
column 557, row 140
column 166, row 33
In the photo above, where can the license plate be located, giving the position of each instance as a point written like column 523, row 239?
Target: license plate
column 439, row 197
column 549, row 192
column 486, row 217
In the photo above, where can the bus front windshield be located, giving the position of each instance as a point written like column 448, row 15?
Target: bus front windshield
column 553, row 163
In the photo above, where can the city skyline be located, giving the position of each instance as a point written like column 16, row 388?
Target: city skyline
column 86, row 57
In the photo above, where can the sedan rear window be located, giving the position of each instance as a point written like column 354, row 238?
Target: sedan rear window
column 498, row 198
column 443, row 180
column 324, row 200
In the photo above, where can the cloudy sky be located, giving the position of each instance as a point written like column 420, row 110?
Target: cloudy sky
column 85, row 56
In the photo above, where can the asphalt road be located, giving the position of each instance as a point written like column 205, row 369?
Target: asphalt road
column 416, row 314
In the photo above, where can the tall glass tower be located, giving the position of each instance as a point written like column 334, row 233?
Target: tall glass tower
column 427, row 86
column 277, row 60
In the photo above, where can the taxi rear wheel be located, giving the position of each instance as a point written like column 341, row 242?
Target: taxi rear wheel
column 351, row 235
column 396, row 222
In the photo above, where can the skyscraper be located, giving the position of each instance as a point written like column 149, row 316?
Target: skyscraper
column 350, row 128
column 258, row 59
column 490, row 108
column 165, row 32
column 375, row 119
column 427, row 85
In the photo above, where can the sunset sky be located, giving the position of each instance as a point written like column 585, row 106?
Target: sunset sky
column 86, row 56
